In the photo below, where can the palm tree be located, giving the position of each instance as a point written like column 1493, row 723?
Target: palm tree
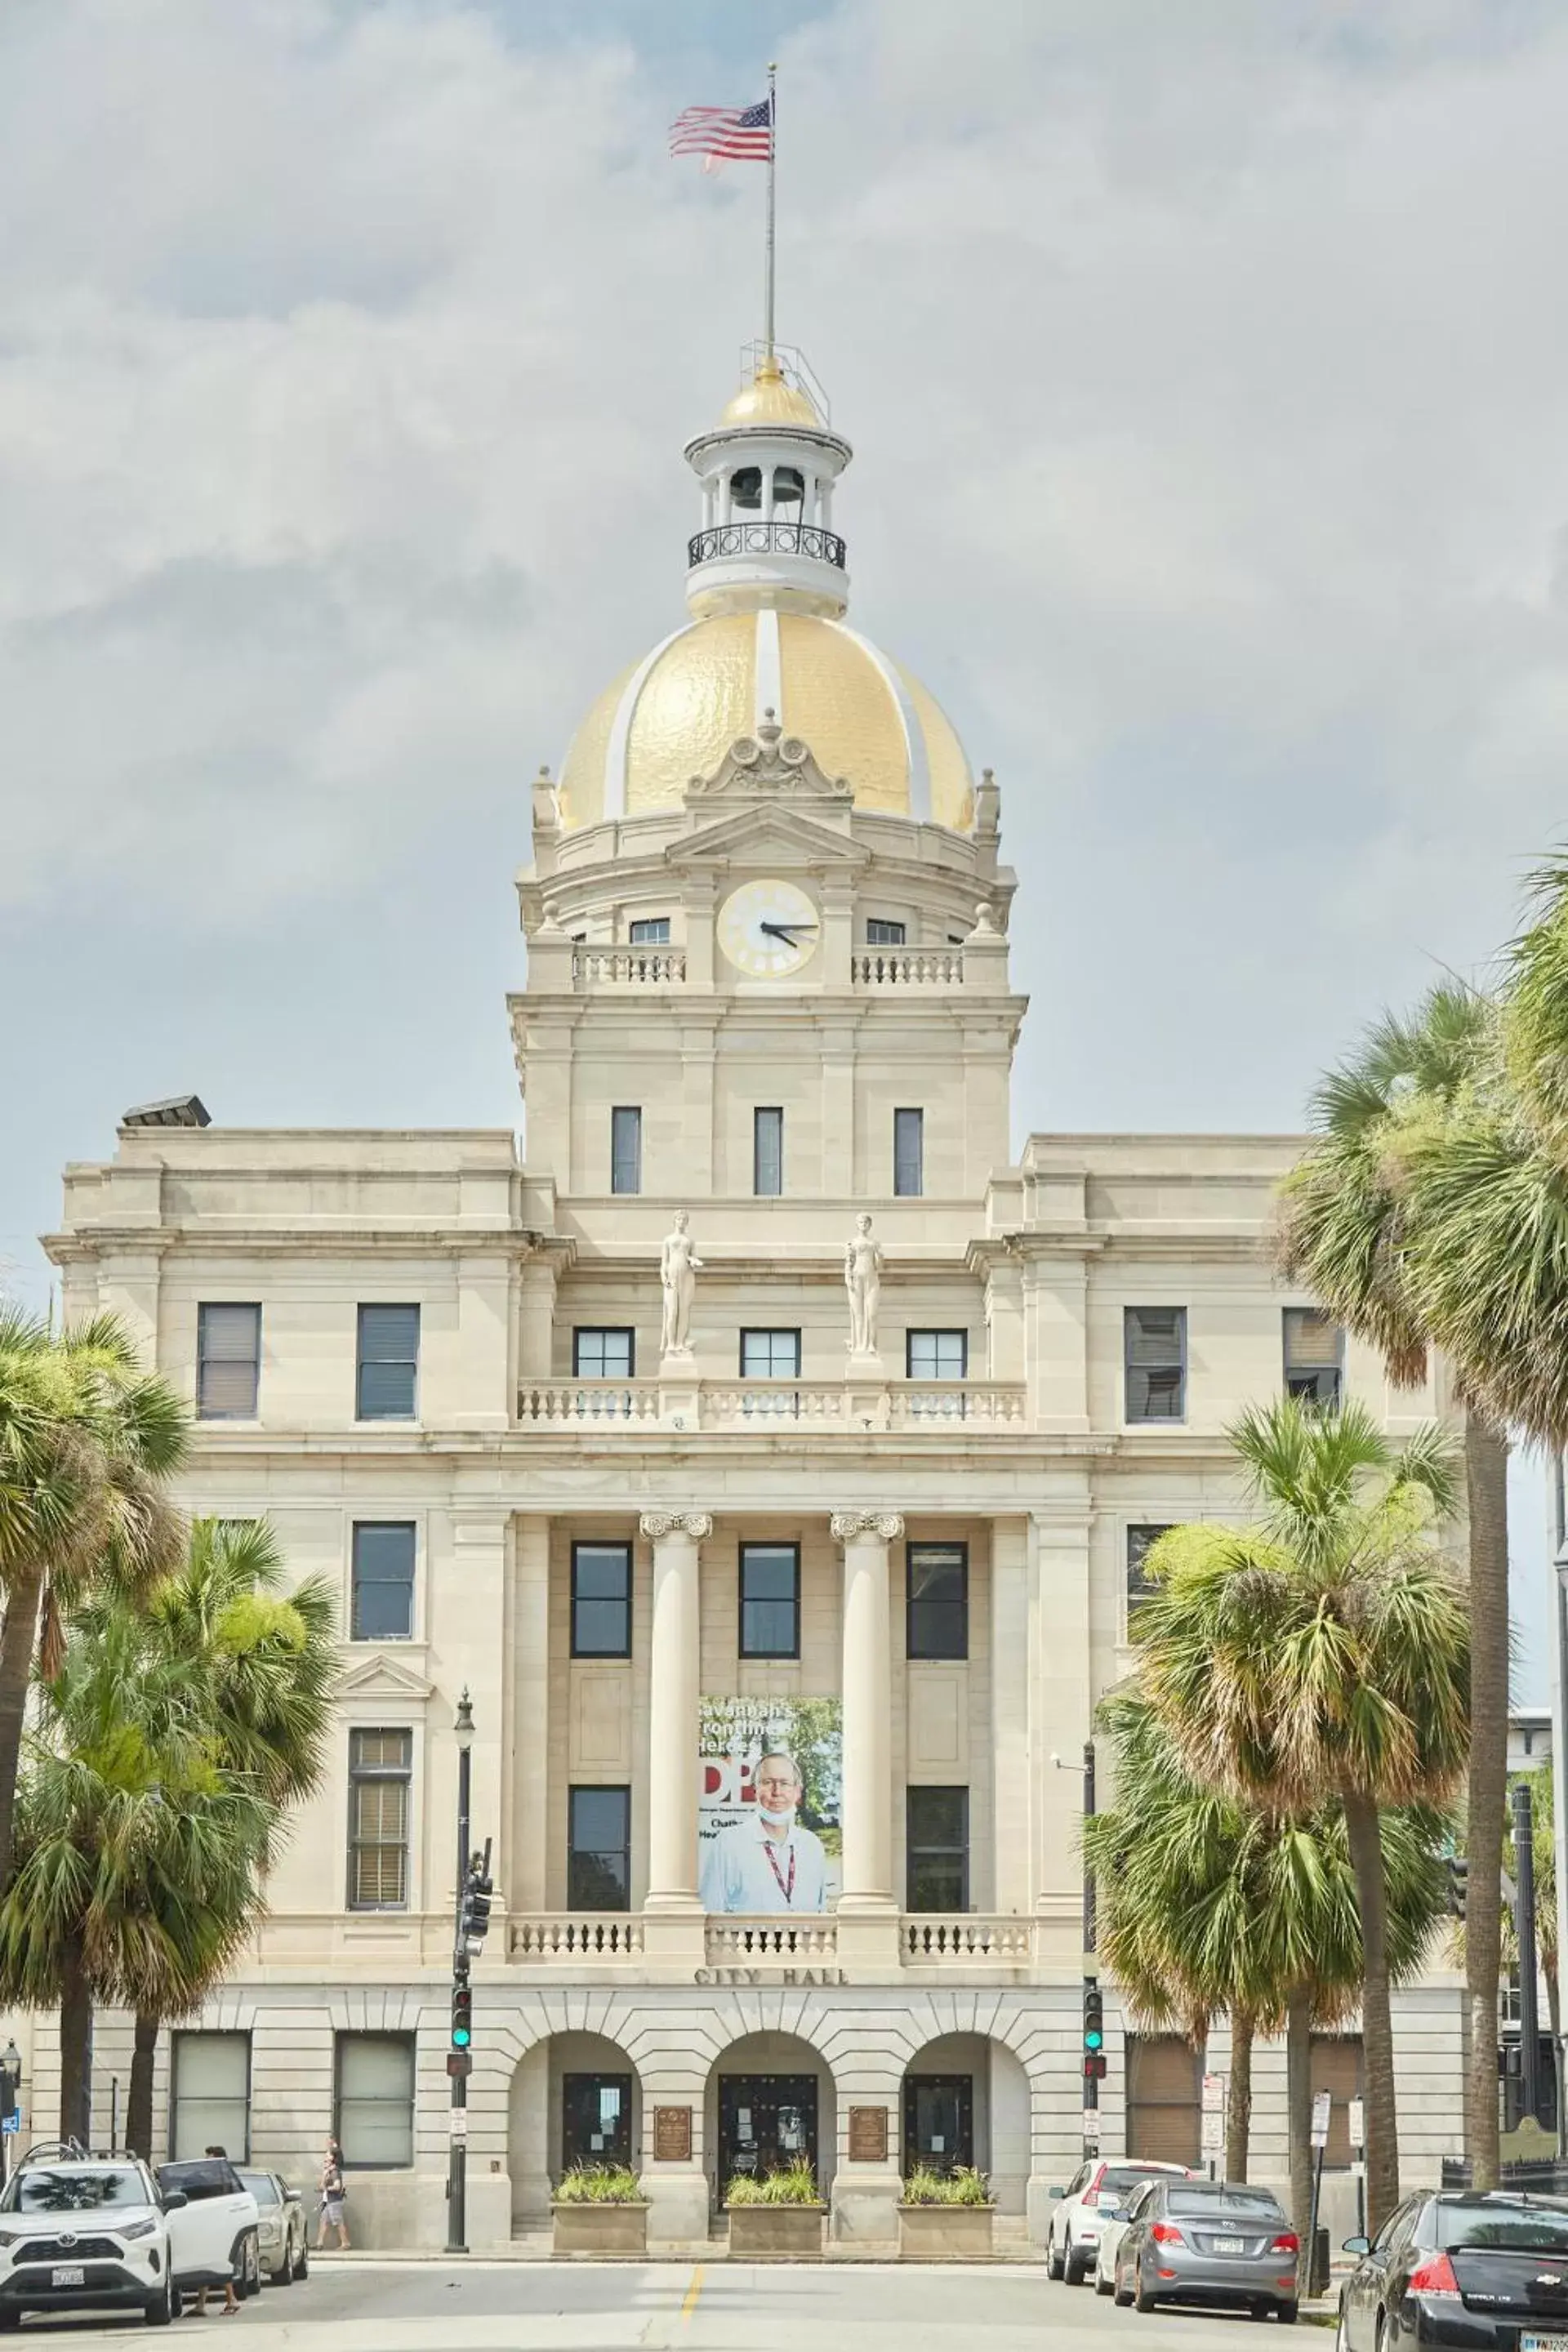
column 1208, row 1905
column 1321, row 1655
column 88, row 1443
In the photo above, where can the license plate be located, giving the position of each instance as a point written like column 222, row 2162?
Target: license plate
column 68, row 2275
column 1230, row 2245
column 1544, row 2344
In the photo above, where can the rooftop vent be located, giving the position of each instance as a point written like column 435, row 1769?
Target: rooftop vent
column 178, row 1111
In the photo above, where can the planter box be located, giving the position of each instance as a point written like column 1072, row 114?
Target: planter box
column 775, row 2232
column 945, row 2233
column 600, row 2229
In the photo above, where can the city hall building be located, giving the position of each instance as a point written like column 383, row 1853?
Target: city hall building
column 768, row 1449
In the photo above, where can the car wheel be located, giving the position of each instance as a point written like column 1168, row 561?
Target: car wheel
column 250, row 2281
column 1285, row 2313
column 1142, row 2299
column 159, row 2309
column 10, row 2320
column 284, row 2273
column 303, row 2263
column 1121, row 2296
column 1052, row 2257
column 1077, row 2265
column 1102, row 2284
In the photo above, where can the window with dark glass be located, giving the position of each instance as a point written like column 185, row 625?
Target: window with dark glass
column 767, row 1152
column 228, row 1362
column 209, row 2095
column 599, row 1849
column 650, row 931
column 382, row 1604
column 387, row 1376
column 1314, row 1356
column 1156, row 1358
column 880, row 933
column 770, row 1355
column 938, row 1603
column 908, row 1154
column 1138, row 1540
column 373, row 2117
column 604, row 1352
column 936, row 1355
column 936, row 1850
column 770, row 1601
column 626, row 1148
column 601, row 1601
column 381, row 1773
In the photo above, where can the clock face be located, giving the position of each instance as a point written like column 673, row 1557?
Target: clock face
column 768, row 930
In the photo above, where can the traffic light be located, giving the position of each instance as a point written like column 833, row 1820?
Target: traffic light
column 474, row 1923
column 1457, row 1892
column 462, row 2016
column 1093, row 2034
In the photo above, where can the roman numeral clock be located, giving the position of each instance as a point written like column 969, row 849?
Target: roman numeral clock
column 769, row 930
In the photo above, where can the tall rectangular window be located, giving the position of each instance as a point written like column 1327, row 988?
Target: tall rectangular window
column 1138, row 1540
column 228, row 1362
column 382, row 1605
column 604, row 1352
column 1155, row 1341
column 767, row 1152
column 373, row 2101
column 936, row 1355
column 770, row 1601
column 386, row 1382
column 938, row 1603
column 908, row 1154
column 770, row 1355
column 936, row 1849
column 209, row 2096
column 626, row 1148
column 1314, row 1357
column 601, row 1601
column 881, row 933
column 650, row 931
column 599, row 1849
column 381, row 1773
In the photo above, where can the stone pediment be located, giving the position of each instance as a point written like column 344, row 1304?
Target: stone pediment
column 766, row 834
column 385, row 1677
column 769, row 765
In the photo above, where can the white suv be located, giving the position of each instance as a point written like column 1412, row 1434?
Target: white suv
column 97, row 2233
column 1072, row 2239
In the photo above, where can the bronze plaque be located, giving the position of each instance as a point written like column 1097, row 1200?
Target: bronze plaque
column 672, row 2135
column 868, row 2135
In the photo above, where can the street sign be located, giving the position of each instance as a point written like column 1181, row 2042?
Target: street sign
column 1214, row 2097
column 1092, row 2123
column 11, row 2123
column 460, row 2065
column 1213, row 2094
column 1358, row 2123
column 1212, row 2140
column 458, row 2122
column 1321, row 2106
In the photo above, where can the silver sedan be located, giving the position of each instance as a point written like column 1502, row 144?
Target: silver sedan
column 1209, row 2241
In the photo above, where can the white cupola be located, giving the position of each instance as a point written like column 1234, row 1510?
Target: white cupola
column 767, row 470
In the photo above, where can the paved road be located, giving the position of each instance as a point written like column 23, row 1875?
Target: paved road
column 370, row 2306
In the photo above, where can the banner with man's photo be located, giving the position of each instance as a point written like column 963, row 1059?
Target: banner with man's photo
column 769, row 1822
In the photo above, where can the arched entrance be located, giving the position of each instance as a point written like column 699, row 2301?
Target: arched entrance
column 966, row 2101
column 770, row 2104
column 575, row 2099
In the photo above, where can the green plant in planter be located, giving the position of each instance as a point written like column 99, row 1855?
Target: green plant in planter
column 599, row 2184
column 795, row 2184
column 961, row 2185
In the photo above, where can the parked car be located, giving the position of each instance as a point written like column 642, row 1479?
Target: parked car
column 99, row 2234
column 284, row 2240
column 1213, row 2241
column 1072, row 2234
column 1461, row 2267
column 1113, row 2221
column 226, row 2220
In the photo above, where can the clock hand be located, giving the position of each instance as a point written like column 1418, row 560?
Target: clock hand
column 786, row 930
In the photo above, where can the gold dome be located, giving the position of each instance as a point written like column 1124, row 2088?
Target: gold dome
column 769, row 400
column 676, row 715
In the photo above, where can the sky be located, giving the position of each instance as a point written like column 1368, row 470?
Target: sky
column 1207, row 370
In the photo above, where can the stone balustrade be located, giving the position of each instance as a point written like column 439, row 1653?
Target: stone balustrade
column 965, row 1939
column 962, row 1941
column 780, row 1406
column 739, row 1943
column 576, row 1938
column 628, row 968
column 906, row 967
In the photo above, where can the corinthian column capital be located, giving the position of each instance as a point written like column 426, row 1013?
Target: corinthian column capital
column 695, row 1524
column 849, row 1524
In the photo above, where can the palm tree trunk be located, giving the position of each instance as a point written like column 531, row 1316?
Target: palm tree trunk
column 139, row 2101
column 1298, row 2107
column 1365, row 1843
column 1486, row 1492
column 76, row 2046
column 1238, row 2096
column 18, row 1637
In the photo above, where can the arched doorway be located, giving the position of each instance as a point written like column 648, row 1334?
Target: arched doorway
column 575, row 2099
column 966, row 2101
column 770, row 2104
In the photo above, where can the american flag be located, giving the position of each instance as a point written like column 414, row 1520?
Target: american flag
column 740, row 135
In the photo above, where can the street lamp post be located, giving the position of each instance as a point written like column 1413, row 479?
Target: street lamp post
column 11, row 2068
column 457, row 2153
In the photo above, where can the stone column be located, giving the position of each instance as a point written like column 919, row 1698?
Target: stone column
column 868, row 1916
column 672, row 1925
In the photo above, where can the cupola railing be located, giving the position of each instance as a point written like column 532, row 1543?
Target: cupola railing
column 760, row 538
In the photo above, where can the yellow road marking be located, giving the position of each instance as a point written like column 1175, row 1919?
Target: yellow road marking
column 693, row 2291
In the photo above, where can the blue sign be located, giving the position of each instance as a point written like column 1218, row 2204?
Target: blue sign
column 12, row 2123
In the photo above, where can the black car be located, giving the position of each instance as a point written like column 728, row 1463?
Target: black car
column 1488, row 2271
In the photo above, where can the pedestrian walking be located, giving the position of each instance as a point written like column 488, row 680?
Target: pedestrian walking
column 333, row 2194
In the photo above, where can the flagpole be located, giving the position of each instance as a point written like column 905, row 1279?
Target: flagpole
column 773, row 160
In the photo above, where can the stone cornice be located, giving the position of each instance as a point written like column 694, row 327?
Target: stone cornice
column 91, row 1241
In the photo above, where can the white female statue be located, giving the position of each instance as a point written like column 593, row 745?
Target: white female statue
column 863, row 1281
column 678, row 1266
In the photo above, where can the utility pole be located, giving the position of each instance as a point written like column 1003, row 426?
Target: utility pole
column 1524, row 1927
column 460, row 2060
column 1093, row 1999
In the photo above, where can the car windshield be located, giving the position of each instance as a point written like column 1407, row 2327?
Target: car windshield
column 1526, row 2228
column 1220, row 2204
column 67, row 2188
column 260, row 2186
column 1126, row 2176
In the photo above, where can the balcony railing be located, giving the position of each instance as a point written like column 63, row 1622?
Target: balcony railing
column 613, row 1939
column 906, row 967
column 780, row 1407
column 737, row 1941
column 965, row 1939
column 628, row 967
column 730, row 539
column 574, row 1939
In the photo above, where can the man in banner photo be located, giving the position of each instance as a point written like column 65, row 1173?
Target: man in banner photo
column 768, row 1827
